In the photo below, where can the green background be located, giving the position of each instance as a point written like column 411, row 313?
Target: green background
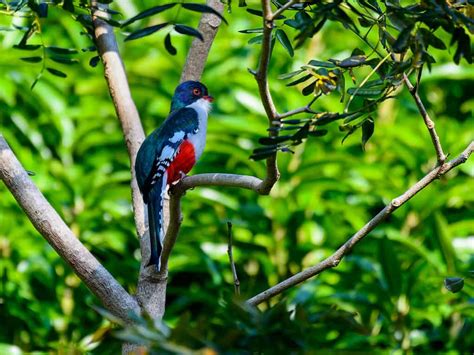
column 387, row 294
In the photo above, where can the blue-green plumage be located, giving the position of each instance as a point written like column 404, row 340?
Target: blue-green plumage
column 157, row 153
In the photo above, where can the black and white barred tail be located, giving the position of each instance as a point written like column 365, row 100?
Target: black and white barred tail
column 155, row 220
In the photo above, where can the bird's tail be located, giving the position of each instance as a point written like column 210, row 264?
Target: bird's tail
column 155, row 221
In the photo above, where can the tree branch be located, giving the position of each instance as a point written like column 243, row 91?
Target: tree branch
column 336, row 258
column 231, row 259
column 125, row 108
column 283, row 8
column 151, row 292
column 50, row 225
column 261, row 76
column 428, row 121
column 197, row 55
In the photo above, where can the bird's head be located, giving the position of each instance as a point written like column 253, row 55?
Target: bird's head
column 188, row 93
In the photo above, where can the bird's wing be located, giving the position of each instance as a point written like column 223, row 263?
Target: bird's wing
column 161, row 146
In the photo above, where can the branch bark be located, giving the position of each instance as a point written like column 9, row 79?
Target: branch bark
column 336, row 258
column 197, row 55
column 151, row 290
column 50, row 225
column 427, row 119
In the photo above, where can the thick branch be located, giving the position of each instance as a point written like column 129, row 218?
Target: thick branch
column 261, row 76
column 47, row 221
column 151, row 293
column 428, row 121
column 197, row 55
column 127, row 112
column 336, row 258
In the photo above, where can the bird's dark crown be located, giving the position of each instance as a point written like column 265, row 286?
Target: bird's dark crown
column 188, row 92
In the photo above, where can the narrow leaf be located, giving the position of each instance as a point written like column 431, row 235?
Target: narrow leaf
column 27, row 47
column 454, row 284
column 169, row 46
column 149, row 12
column 186, row 30
column 318, row 133
column 367, row 131
column 252, row 30
column 57, row 72
column 145, row 31
column 309, row 89
column 403, row 40
column 285, row 42
column 32, row 59
column 273, row 140
column 94, row 61
column 64, row 60
column 300, row 80
column 255, row 40
column 290, row 75
column 203, row 8
column 60, row 50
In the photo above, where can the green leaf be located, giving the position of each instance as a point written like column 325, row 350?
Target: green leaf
column 290, row 75
column 454, row 284
column 309, row 89
column 354, row 61
column 367, row 131
column 64, row 60
column 285, row 42
column 403, row 40
column 68, row 5
column 364, row 92
column 255, row 40
column 32, row 59
column 145, row 31
column 60, row 50
column 318, row 133
column 94, row 61
column 319, row 63
column 273, row 140
column 149, row 12
column 186, row 30
column 56, row 72
column 169, row 46
column 28, row 47
column 300, row 80
column 203, row 8
column 252, row 30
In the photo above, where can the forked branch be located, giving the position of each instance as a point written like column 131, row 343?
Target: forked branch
column 50, row 225
column 427, row 119
column 336, row 258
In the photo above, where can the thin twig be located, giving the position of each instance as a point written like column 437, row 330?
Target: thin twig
column 50, row 225
column 304, row 109
column 231, row 259
column 428, row 121
column 283, row 8
column 336, row 258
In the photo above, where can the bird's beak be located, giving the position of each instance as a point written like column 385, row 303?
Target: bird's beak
column 208, row 98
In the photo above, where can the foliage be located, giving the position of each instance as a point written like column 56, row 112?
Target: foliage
column 388, row 294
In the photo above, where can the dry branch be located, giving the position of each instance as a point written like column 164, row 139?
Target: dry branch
column 427, row 119
column 50, row 225
column 197, row 55
column 336, row 258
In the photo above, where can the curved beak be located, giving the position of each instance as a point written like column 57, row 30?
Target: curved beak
column 208, row 98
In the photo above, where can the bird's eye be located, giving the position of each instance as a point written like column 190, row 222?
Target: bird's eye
column 196, row 91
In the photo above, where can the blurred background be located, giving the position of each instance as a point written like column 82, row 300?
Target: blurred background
column 387, row 294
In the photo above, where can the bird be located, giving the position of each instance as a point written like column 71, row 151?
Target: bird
column 169, row 153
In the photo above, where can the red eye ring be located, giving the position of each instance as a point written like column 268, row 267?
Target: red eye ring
column 196, row 91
